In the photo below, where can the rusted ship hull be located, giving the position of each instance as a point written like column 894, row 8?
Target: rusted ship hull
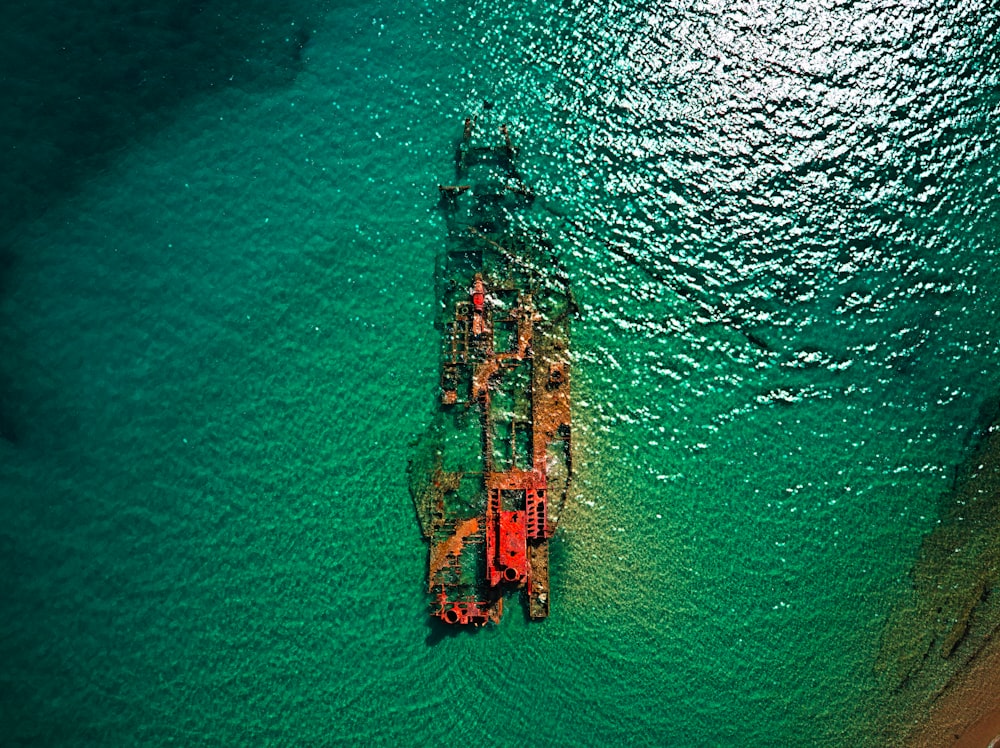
column 492, row 474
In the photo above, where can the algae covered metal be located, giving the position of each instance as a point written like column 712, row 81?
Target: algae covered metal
column 490, row 476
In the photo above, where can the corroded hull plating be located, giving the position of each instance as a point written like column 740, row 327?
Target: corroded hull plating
column 489, row 479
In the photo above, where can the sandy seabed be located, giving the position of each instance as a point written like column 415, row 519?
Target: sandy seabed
column 968, row 713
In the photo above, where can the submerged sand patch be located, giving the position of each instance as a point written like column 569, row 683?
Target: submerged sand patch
column 940, row 652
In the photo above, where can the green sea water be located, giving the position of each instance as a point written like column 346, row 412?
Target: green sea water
column 217, row 347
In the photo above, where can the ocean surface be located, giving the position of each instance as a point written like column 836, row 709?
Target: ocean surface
column 782, row 224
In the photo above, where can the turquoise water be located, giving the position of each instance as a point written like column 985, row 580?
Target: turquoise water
column 781, row 223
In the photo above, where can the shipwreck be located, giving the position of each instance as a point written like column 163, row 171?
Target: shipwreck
column 491, row 475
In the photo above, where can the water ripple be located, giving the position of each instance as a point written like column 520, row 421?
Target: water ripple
column 810, row 186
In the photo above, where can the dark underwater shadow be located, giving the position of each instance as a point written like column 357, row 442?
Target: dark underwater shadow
column 9, row 430
column 439, row 631
column 82, row 80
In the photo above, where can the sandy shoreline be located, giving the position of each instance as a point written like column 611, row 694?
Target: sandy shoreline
column 967, row 715
column 958, row 601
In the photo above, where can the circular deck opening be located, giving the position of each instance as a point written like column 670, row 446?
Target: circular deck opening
column 510, row 574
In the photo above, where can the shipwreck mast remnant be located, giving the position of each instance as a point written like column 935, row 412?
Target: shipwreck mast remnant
column 490, row 477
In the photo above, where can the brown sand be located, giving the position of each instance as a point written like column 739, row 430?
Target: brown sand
column 940, row 654
column 967, row 715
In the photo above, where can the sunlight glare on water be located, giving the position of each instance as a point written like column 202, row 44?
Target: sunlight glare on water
column 780, row 223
